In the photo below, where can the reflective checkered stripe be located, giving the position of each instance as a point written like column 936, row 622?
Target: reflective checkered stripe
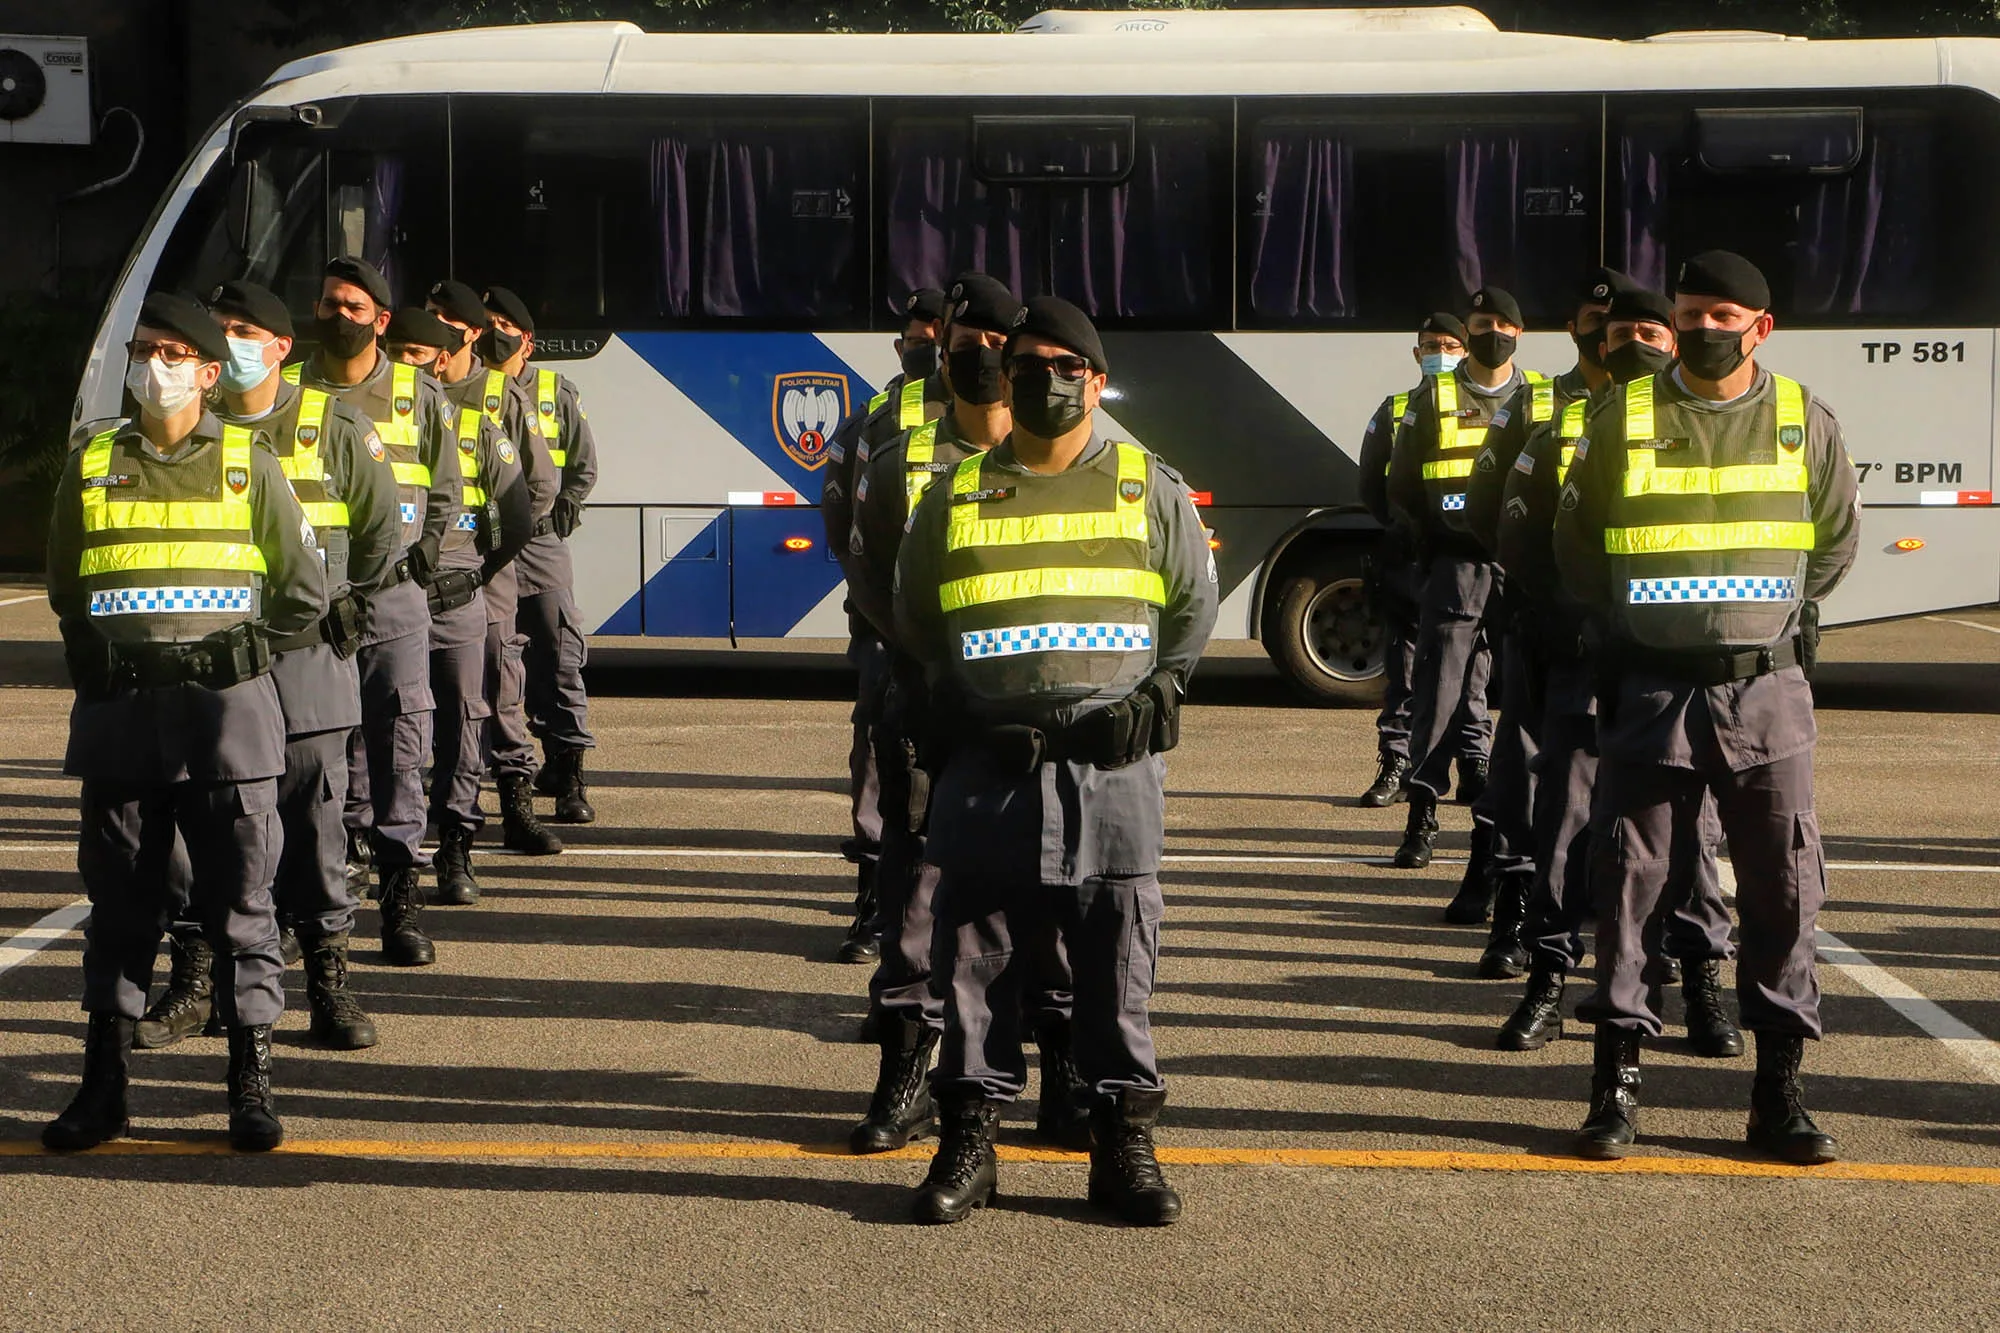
column 466, row 522
column 409, row 513
column 1458, row 445
column 142, row 518
column 1059, row 636
column 1708, row 523
column 155, row 601
column 1452, row 503
column 1719, row 588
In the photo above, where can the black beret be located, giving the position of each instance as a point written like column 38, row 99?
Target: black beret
column 980, row 302
column 421, row 328
column 253, row 305
column 363, row 275
column 925, row 303
column 1641, row 307
column 1499, row 303
column 503, row 302
column 458, row 300
column 1603, row 285
column 1728, row 276
column 1055, row 320
column 188, row 320
column 1439, row 321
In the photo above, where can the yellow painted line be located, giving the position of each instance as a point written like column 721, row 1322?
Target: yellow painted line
column 1333, row 1158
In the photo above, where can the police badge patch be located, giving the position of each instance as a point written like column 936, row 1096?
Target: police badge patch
column 308, row 436
column 405, row 405
column 507, row 452
column 375, row 450
column 237, row 479
column 1131, row 490
column 1791, row 437
column 492, row 404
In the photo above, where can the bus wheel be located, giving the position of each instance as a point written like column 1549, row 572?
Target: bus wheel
column 1324, row 634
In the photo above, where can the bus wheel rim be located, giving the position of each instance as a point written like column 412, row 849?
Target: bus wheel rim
column 1341, row 637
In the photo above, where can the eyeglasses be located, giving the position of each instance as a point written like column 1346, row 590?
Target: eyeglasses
column 142, row 350
column 1065, row 367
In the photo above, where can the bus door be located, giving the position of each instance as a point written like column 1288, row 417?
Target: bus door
column 686, row 593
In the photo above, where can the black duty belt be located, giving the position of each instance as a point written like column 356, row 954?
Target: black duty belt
column 1143, row 723
column 227, row 657
column 449, row 589
column 340, row 627
column 545, row 525
column 1711, row 668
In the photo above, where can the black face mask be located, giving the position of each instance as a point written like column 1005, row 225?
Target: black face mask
column 494, row 346
column 342, row 337
column 920, row 360
column 1587, row 345
column 1713, row 354
column 1635, row 359
column 975, row 373
column 1048, row 406
column 1492, row 349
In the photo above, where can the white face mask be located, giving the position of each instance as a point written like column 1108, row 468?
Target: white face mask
column 163, row 390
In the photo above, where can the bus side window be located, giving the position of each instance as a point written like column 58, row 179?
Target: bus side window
column 1354, row 217
column 1854, row 206
column 1119, row 213
column 634, row 213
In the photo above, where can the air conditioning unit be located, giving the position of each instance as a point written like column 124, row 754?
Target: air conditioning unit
column 44, row 89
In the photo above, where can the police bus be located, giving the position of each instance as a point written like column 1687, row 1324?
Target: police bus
column 717, row 232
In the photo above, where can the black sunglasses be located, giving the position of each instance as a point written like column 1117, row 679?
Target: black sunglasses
column 1067, row 367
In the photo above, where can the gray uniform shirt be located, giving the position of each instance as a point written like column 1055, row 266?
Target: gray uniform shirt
column 188, row 733
column 1065, row 822
column 523, row 488
column 317, row 688
column 1756, row 721
column 399, row 608
column 545, row 566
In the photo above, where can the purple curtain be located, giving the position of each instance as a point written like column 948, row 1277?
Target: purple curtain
column 1519, row 199
column 671, row 277
column 1301, row 265
column 382, row 206
column 1134, row 249
column 1862, row 244
column 1639, row 232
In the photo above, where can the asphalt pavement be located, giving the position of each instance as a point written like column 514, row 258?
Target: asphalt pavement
column 618, row 1099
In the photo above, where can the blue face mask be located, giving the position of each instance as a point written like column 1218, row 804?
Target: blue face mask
column 1440, row 363
column 245, row 368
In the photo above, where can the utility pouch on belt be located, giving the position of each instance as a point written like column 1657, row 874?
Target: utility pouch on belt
column 339, row 629
column 88, row 656
column 1808, row 637
column 450, row 589
column 486, row 533
column 1165, row 692
column 1016, row 747
column 216, row 662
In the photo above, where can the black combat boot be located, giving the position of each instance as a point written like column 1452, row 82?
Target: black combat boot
column 360, row 856
column 1506, row 956
column 522, row 832
column 457, row 886
column 1471, row 778
column 1474, row 899
column 289, row 948
column 183, row 1009
column 964, row 1174
column 1709, row 1030
column 1062, row 1117
column 253, row 1121
column 864, row 936
column 404, row 943
column 1779, row 1125
column 1538, row 1019
column 1670, row 970
column 562, row 778
column 901, row 1108
column 97, row 1113
column 1390, row 771
column 1125, row 1176
column 1420, row 831
column 337, row 1018
column 1613, row 1125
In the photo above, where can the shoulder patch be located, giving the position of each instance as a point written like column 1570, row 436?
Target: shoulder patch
column 1582, row 448
column 1569, row 500
column 375, row 450
column 862, row 451
column 861, row 488
column 1525, row 464
column 1488, row 461
column 507, row 454
column 1409, row 416
column 837, row 452
column 307, row 538
column 1501, row 418
column 1517, row 507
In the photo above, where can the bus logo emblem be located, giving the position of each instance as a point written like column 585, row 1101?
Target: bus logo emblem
column 805, row 407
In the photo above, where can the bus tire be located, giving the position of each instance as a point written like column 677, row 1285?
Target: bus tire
column 1323, row 633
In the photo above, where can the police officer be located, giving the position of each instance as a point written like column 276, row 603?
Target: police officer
column 1058, row 589
column 1399, row 579
column 175, row 546
column 900, row 405
column 494, row 522
column 1708, row 510
column 414, row 425
column 1442, row 431
column 541, row 646
column 908, row 1015
column 1502, row 866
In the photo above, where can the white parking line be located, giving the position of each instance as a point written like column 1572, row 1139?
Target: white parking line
column 16, row 601
column 42, row 934
column 1942, row 620
column 1972, row 1047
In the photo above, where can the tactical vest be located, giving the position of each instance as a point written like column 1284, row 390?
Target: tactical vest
column 1710, row 523
column 1048, row 586
column 1568, row 431
column 1397, row 406
column 546, row 417
column 472, row 495
column 920, row 465
column 909, row 405
column 302, row 454
column 390, row 403
column 169, row 552
column 1461, row 434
